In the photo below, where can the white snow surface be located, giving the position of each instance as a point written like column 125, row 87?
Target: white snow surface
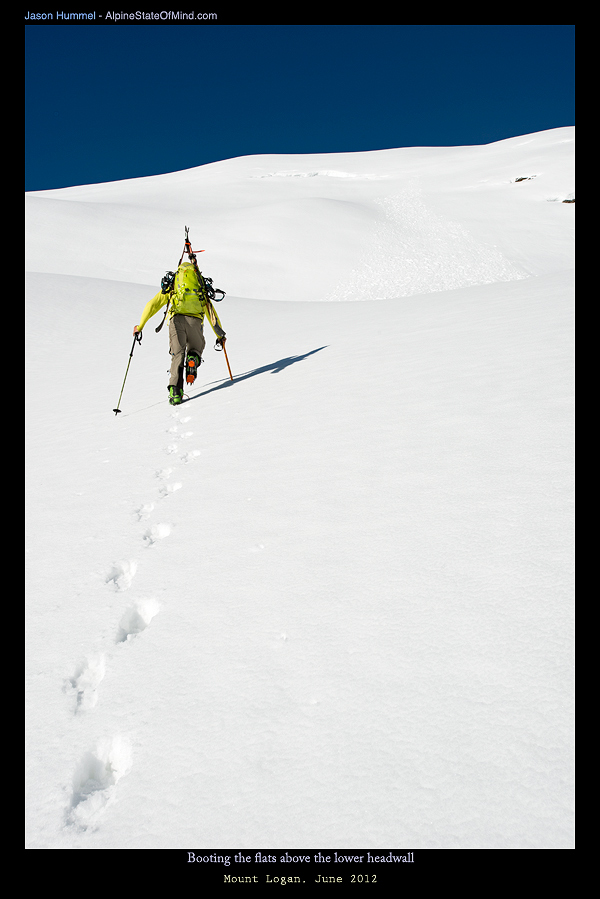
column 330, row 604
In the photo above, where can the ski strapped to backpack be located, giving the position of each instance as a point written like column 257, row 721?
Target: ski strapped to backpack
column 209, row 293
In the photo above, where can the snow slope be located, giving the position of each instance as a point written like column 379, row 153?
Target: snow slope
column 328, row 605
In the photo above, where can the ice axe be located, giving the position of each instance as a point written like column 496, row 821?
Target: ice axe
column 227, row 361
column 220, row 345
column 137, row 338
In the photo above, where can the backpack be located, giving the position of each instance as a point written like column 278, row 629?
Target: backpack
column 187, row 289
column 189, row 282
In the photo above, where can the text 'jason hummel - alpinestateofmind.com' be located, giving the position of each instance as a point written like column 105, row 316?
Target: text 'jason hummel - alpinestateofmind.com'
column 164, row 16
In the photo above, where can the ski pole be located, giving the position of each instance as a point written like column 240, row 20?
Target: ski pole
column 137, row 337
column 226, row 359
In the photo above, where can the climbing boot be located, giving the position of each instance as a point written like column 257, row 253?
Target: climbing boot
column 175, row 396
column 192, row 366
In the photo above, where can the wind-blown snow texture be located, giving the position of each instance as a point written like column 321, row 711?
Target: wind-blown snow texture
column 330, row 604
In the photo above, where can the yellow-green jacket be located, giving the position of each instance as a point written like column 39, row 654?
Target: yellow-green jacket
column 183, row 303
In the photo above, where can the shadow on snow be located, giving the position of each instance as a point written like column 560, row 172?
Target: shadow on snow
column 273, row 367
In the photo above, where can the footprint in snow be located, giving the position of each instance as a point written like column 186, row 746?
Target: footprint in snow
column 95, row 781
column 122, row 574
column 189, row 457
column 157, row 532
column 136, row 619
column 164, row 473
column 144, row 512
column 172, row 448
column 170, row 488
column 85, row 681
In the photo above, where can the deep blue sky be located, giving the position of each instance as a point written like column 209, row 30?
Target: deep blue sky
column 111, row 101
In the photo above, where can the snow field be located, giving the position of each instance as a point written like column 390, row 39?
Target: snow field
column 328, row 605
